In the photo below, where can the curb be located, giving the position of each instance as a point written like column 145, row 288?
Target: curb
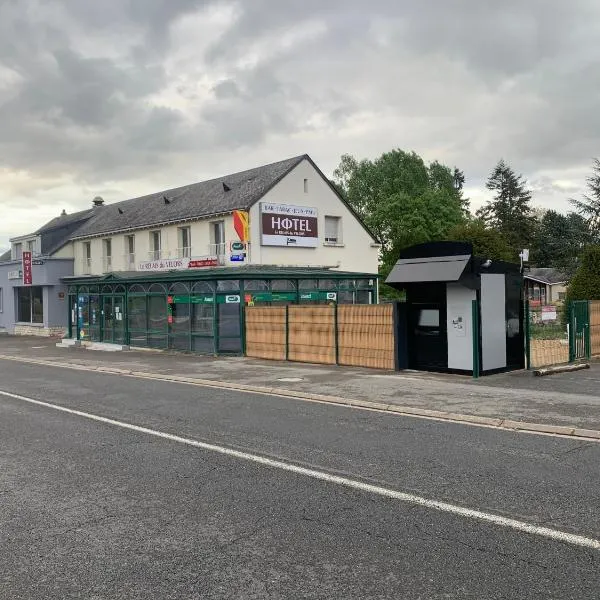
column 560, row 369
column 475, row 420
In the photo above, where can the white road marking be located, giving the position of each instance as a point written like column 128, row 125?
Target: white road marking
column 521, row 526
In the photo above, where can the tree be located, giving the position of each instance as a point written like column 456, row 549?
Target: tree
column 585, row 284
column 589, row 207
column 487, row 242
column 510, row 211
column 559, row 241
column 401, row 199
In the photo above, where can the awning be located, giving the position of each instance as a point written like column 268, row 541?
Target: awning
column 436, row 268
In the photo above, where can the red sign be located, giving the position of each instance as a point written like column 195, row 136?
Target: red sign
column 27, row 276
column 203, row 262
column 240, row 224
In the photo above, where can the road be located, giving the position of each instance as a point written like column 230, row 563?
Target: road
column 184, row 506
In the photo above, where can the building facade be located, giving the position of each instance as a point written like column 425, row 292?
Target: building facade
column 175, row 268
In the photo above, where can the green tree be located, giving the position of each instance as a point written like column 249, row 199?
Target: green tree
column 401, row 199
column 559, row 240
column 487, row 242
column 585, row 284
column 589, row 207
column 510, row 210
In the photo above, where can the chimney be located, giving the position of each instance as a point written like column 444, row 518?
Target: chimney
column 63, row 213
column 98, row 201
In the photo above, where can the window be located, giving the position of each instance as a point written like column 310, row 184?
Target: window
column 31, row 247
column 561, row 297
column 87, row 257
column 18, row 251
column 185, row 244
column 429, row 317
column 107, row 255
column 154, row 245
column 333, row 230
column 130, row 251
column 218, row 237
column 30, row 304
column 306, row 186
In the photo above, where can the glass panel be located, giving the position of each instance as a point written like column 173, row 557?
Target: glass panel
column 179, row 288
column 308, row 284
column 229, row 321
column 157, row 313
column 157, row 288
column 202, row 319
column 203, row 345
column 230, row 345
column 94, row 318
column 119, row 289
column 137, row 288
column 283, row 285
column 345, row 297
column 346, row 284
column 181, row 320
column 364, row 283
column 24, row 304
column 107, row 289
column 228, row 285
column 327, row 284
column 203, row 287
column 108, row 319
column 256, row 285
column 429, row 317
column 363, row 297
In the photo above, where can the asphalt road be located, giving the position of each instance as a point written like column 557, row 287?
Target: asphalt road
column 94, row 510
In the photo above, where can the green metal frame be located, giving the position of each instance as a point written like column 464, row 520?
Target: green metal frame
column 475, row 328
column 527, row 336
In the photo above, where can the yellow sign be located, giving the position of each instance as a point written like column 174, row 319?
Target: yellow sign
column 240, row 224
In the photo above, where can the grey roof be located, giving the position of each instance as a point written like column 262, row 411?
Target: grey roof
column 6, row 256
column 58, row 232
column 437, row 268
column 547, row 275
column 238, row 191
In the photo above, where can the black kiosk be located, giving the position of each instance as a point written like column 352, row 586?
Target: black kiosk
column 440, row 327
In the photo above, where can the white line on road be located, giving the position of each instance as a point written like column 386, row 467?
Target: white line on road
column 522, row 526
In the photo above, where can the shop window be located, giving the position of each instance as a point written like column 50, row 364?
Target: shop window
column 30, row 304
column 345, row 297
column 364, row 297
column 327, row 284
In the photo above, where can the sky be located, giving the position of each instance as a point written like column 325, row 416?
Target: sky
column 121, row 98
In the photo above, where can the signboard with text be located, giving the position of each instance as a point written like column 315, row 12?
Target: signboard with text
column 287, row 225
column 174, row 264
column 27, row 275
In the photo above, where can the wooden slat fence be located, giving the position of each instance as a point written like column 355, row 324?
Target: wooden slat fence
column 352, row 334
column 595, row 326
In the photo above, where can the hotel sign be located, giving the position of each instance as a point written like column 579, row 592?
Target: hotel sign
column 287, row 225
column 178, row 264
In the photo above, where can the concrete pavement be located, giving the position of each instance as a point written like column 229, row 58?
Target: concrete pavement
column 567, row 400
column 91, row 510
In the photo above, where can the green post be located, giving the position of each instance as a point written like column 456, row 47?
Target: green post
column 126, row 315
column 337, row 341
column 527, row 337
column 77, row 313
column 475, row 321
column 287, row 332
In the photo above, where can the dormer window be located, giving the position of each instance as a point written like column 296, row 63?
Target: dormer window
column 18, row 251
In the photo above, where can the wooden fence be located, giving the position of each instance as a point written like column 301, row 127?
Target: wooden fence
column 595, row 327
column 353, row 334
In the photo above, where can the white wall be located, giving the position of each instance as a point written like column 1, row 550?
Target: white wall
column 200, row 241
column 460, row 333
column 493, row 322
column 353, row 254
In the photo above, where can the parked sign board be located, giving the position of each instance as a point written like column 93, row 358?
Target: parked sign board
column 15, row 274
column 548, row 313
column 287, row 225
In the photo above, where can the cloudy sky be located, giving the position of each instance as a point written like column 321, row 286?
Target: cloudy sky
column 122, row 97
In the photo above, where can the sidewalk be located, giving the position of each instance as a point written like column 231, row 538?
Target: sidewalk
column 571, row 400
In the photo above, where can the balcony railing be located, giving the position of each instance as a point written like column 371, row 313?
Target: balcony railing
column 217, row 249
column 156, row 254
column 185, row 252
column 106, row 264
column 86, row 266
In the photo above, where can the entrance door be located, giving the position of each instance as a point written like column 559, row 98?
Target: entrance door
column 428, row 343
column 113, row 319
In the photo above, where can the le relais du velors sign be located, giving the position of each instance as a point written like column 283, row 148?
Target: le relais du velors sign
column 286, row 225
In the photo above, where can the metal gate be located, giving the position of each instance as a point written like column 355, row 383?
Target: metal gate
column 579, row 330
